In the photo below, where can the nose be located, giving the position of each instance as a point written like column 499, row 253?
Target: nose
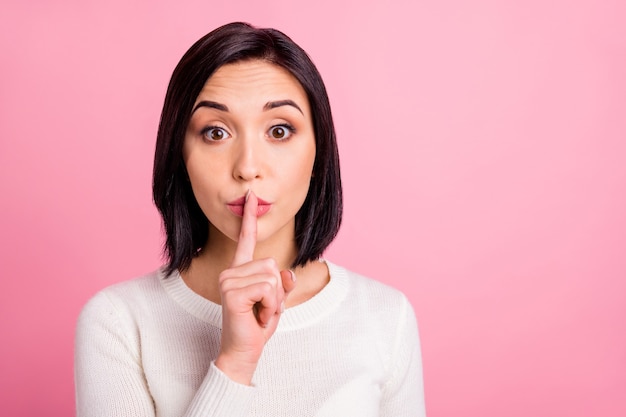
column 248, row 160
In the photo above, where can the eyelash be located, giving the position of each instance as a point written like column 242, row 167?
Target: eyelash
column 207, row 129
column 290, row 129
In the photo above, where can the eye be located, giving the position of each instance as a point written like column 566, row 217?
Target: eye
column 281, row 132
column 214, row 133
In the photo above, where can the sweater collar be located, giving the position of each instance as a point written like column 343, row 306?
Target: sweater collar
column 302, row 315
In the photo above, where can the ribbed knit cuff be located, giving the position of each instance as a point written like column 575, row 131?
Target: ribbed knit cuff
column 220, row 396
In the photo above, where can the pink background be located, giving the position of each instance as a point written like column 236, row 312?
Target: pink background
column 483, row 147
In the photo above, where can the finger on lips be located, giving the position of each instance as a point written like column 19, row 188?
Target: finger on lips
column 263, row 286
column 247, row 236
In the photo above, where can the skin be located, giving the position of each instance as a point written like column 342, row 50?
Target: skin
column 250, row 134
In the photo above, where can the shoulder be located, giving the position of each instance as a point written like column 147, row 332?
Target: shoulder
column 369, row 295
column 384, row 315
column 369, row 290
column 124, row 299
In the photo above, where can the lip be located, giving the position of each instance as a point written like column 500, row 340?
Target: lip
column 236, row 206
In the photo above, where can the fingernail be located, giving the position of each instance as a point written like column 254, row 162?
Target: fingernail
column 282, row 307
column 293, row 275
column 247, row 195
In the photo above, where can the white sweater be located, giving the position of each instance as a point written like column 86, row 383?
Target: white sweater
column 146, row 347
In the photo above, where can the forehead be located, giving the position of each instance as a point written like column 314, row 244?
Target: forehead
column 252, row 82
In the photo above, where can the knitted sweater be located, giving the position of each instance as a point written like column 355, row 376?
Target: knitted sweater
column 146, row 347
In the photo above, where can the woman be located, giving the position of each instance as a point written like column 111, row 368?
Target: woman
column 246, row 318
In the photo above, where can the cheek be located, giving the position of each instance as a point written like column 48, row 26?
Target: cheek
column 204, row 186
column 299, row 176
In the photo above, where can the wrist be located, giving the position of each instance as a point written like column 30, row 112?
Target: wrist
column 239, row 371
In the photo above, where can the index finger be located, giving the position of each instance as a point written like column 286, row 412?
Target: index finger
column 247, row 236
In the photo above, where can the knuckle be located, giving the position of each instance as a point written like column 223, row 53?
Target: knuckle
column 224, row 276
column 272, row 281
column 270, row 264
column 266, row 287
column 226, row 285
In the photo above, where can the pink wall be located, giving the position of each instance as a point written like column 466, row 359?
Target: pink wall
column 484, row 161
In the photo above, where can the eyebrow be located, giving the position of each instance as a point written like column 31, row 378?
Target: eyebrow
column 268, row 106
column 211, row 104
column 274, row 104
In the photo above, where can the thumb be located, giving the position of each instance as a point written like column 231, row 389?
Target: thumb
column 288, row 277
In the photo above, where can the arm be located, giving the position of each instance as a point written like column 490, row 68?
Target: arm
column 403, row 393
column 109, row 375
column 110, row 379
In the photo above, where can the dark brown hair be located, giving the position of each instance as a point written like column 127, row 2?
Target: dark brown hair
column 186, row 227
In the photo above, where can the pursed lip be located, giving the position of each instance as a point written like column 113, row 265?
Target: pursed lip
column 242, row 200
column 236, row 206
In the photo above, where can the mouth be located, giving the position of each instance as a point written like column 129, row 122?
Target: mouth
column 236, row 206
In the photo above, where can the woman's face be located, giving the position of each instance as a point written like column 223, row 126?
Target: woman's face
column 251, row 129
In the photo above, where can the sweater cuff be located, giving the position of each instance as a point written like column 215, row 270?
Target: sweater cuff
column 221, row 396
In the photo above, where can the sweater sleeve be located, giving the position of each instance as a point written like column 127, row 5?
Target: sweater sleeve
column 109, row 376
column 403, row 393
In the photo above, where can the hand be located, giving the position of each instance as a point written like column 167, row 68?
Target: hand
column 253, row 295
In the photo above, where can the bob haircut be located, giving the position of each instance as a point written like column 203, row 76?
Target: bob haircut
column 186, row 227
